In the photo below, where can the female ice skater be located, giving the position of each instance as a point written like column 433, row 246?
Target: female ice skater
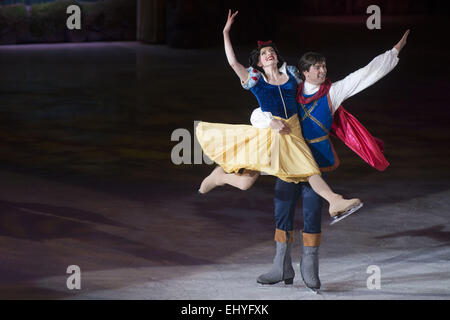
column 243, row 151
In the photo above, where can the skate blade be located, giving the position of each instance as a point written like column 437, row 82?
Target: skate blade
column 315, row 291
column 268, row 283
column 346, row 214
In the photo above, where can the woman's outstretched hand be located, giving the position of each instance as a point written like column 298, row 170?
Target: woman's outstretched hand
column 230, row 21
column 240, row 70
column 399, row 46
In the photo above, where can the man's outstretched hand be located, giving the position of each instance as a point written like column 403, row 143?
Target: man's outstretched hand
column 281, row 126
column 399, row 46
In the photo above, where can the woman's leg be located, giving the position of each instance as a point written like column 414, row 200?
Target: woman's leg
column 338, row 204
column 219, row 177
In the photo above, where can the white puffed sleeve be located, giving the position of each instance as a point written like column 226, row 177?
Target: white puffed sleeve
column 359, row 80
column 260, row 119
column 295, row 72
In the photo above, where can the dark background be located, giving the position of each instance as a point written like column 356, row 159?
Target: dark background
column 106, row 110
column 86, row 119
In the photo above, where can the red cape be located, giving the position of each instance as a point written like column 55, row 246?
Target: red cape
column 347, row 128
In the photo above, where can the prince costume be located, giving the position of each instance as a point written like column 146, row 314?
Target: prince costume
column 318, row 106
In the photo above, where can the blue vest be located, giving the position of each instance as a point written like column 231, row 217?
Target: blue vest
column 270, row 99
column 316, row 119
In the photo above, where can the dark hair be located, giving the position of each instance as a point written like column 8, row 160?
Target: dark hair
column 307, row 60
column 254, row 57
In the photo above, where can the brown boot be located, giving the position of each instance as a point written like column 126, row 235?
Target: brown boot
column 282, row 269
column 309, row 263
column 212, row 181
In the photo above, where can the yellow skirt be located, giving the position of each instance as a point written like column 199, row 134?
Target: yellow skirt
column 236, row 147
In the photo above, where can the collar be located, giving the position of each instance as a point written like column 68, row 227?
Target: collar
column 310, row 88
column 322, row 90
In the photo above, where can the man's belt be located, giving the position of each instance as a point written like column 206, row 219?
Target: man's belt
column 323, row 138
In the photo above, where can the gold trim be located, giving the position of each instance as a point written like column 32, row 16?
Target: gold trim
column 313, row 118
column 310, row 110
column 312, row 239
column 313, row 106
column 336, row 159
column 282, row 99
column 320, row 139
column 319, row 124
column 330, row 106
column 284, row 236
column 336, row 164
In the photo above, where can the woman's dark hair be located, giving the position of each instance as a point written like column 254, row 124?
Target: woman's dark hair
column 307, row 60
column 254, row 57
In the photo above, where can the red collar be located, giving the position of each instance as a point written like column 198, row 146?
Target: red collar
column 323, row 90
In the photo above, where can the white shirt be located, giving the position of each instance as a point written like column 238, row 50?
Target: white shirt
column 341, row 90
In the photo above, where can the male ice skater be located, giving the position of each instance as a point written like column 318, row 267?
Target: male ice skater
column 319, row 100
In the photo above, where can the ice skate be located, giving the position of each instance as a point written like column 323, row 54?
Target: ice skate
column 309, row 268
column 282, row 269
column 315, row 291
column 341, row 208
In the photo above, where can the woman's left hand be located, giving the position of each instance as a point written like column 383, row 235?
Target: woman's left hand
column 230, row 21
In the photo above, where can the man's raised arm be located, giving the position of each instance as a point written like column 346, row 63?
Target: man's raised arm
column 366, row 76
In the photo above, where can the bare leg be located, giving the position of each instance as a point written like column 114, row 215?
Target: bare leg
column 337, row 203
column 219, row 177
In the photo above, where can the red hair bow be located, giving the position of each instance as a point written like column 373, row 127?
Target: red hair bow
column 264, row 43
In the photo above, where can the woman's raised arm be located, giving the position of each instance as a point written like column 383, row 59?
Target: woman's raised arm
column 240, row 70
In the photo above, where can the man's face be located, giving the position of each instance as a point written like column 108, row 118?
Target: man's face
column 267, row 57
column 317, row 73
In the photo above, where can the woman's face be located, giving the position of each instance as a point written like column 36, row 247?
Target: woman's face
column 267, row 57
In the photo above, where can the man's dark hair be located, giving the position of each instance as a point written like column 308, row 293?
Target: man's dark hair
column 309, row 59
column 254, row 57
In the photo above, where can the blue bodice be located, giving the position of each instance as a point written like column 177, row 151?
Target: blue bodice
column 270, row 97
